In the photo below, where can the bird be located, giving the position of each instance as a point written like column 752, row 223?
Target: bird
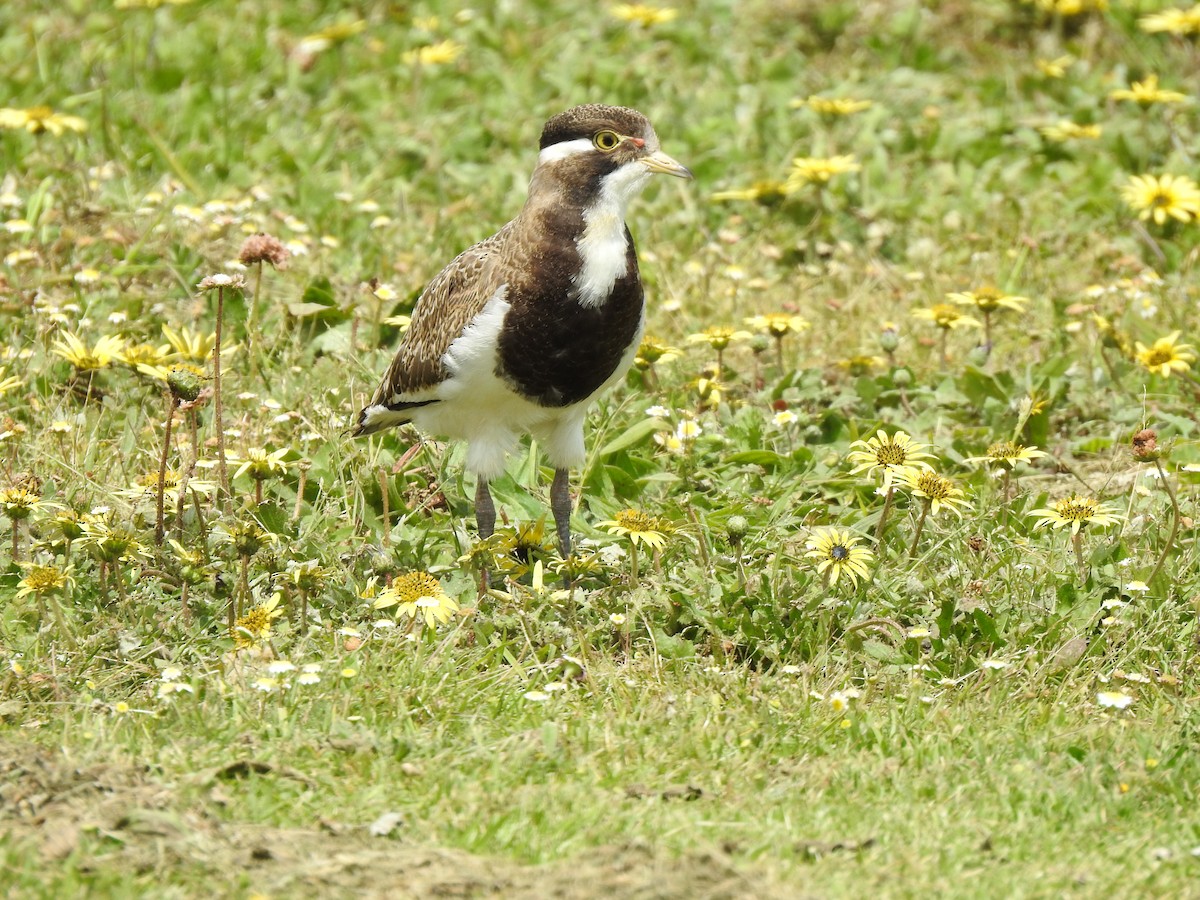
column 523, row 331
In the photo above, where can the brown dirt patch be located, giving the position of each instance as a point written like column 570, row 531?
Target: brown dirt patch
column 127, row 818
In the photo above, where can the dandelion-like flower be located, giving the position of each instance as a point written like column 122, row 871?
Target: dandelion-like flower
column 1162, row 197
column 192, row 346
column 86, row 359
column 643, row 14
column 261, row 465
column 1166, row 356
column 945, row 316
column 837, row 553
column 892, row 454
column 652, row 351
column 19, row 503
column 418, row 595
column 817, row 170
column 1075, row 512
column 40, row 119
column 938, row 490
column 1147, row 92
column 640, row 528
column 988, row 299
column 8, row 382
column 254, row 628
column 1172, row 21
column 1065, row 130
column 1114, row 699
column 1007, row 453
column 719, row 337
column 1055, row 68
column 833, row 107
column 42, row 581
column 438, row 54
column 778, row 324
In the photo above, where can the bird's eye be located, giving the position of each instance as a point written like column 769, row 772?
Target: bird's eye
column 606, row 141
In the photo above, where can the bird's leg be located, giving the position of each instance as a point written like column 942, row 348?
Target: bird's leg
column 560, row 505
column 485, row 519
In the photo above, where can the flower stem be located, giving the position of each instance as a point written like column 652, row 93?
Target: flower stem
column 912, row 550
column 1162, row 558
column 633, row 564
column 218, row 409
column 883, row 516
column 1077, row 543
column 159, row 529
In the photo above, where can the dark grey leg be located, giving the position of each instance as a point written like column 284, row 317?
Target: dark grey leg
column 485, row 519
column 560, row 505
column 485, row 510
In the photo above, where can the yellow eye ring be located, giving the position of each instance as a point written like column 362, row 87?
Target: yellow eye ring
column 606, row 141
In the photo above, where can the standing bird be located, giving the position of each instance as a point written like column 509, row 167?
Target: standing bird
column 523, row 331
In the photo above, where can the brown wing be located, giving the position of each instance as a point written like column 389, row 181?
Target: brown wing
column 454, row 297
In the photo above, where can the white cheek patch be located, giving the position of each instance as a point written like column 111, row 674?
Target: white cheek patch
column 602, row 246
column 563, row 149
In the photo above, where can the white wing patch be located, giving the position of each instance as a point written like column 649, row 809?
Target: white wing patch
column 602, row 246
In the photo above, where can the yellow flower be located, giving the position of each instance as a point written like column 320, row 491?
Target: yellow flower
column 438, row 54
column 832, row 106
column 838, row 553
column 895, row 454
column 18, row 502
column 1147, row 92
column 418, row 595
column 1065, row 130
column 718, row 337
column 762, row 191
column 650, row 352
column 943, row 315
column 643, row 14
column 42, row 580
column 312, row 44
column 777, row 324
column 1162, row 197
column 939, row 490
column 135, row 355
column 1172, row 21
column 817, row 170
column 1055, row 68
column 254, row 628
column 640, row 528
column 260, row 464
column 8, row 382
column 860, row 364
column 40, row 119
column 1007, row 453
column 1075, row 511
column 988, row 299
column 192, row 346
column 1165, row 356
column 74, row 351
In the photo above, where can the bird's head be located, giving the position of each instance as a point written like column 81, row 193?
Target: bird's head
column 594, row 148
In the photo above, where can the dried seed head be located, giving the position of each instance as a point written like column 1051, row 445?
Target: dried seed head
column 1145, row 445
column 260, row 248
column 221, row 280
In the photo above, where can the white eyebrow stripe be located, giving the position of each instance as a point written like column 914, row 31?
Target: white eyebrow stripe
column 563, row 149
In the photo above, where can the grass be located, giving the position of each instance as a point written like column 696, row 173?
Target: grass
column 724, row 714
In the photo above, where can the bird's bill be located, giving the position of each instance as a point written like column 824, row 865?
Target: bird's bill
column 660, row 162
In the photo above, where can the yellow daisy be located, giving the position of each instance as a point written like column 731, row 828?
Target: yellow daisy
column 837, row 553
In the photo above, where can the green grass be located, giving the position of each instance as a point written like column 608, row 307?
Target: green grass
column 935, row 728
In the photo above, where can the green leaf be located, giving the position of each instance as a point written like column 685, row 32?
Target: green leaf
column 634, row 434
